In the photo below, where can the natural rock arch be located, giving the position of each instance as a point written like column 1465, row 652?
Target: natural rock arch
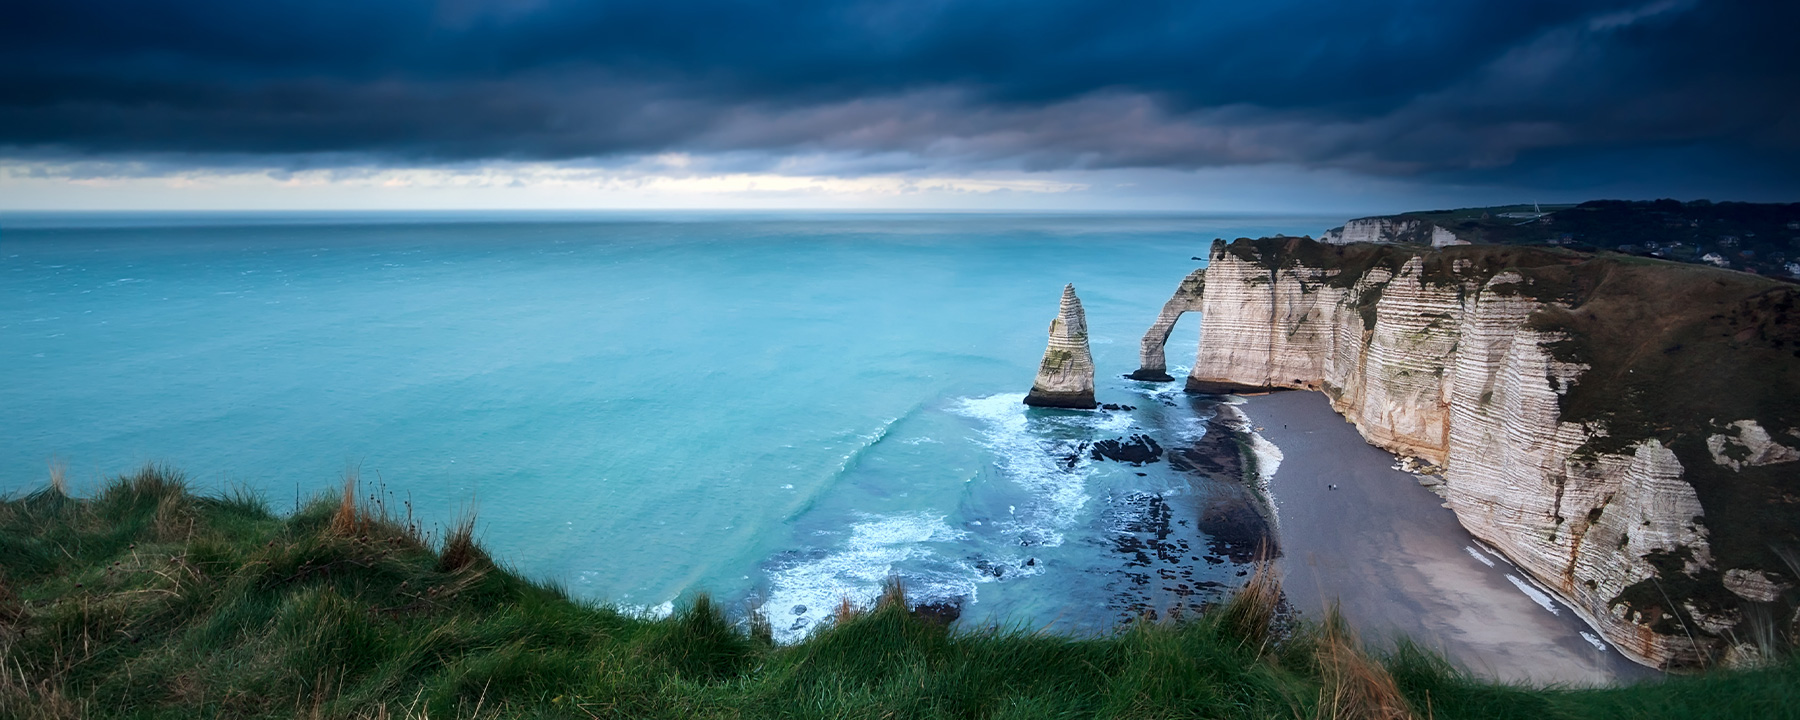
column 1153, row 365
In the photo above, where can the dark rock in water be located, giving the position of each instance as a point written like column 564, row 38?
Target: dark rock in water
column 1237, row 531
column 1069, row 460
column 1116, row 406
column 1137, row 450
column 1150, row 376
column 1207, row 387
column 942, row 612
column 799, row 609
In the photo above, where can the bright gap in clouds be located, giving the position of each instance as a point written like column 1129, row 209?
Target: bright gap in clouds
column 683, row 182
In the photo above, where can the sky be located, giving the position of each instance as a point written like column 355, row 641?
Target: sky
column 1267, row 106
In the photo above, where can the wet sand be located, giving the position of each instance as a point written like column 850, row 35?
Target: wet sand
column 1398, row 563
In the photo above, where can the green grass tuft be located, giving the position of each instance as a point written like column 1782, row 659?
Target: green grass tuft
column 147, row 600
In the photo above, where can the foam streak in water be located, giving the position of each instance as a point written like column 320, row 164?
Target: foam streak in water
column 1536, row 595
column 1034, row 452
column 802, row 593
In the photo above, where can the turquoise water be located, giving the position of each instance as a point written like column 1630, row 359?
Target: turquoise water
column 782, row 410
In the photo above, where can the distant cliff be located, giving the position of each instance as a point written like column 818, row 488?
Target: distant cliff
column 1626, row 430
column 1762, row 238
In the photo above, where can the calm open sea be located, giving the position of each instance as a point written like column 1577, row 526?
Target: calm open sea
column 782, row 410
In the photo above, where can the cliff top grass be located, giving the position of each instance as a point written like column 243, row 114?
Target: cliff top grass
column 1759, row 237
column 148, row 600
column 1675, row 352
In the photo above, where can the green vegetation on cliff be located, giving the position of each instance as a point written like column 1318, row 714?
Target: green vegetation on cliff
column 1673, row 351
column 1763, row 238
column 150, row 601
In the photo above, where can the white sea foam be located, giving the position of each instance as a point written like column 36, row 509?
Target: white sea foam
column 1496, row 554
column 805, row 592
column 1268, row 454
column 1536, row 595
column 1478, row 556
column 868, row 441
column 1593, row 640
column 650, row 612
column 1035, row 462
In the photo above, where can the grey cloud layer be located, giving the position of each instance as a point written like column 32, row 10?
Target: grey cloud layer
column 1387, row 88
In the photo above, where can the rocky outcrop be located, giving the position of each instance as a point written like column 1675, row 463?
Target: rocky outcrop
column 1065, row 379
column 1747, row 444
column 1495, row 364
column 1152, row 362
column 1391, row 230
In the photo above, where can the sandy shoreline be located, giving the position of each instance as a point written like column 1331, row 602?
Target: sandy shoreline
column 1397, row 561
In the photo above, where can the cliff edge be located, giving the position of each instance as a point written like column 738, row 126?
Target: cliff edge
column 1626, row 430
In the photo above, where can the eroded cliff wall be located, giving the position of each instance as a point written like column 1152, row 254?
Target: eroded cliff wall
column 1626, row 432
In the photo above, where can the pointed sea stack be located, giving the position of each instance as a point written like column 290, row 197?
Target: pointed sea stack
column 1066, row 377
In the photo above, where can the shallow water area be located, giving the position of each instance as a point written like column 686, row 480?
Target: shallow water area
column 783, row 410
column 780, row 409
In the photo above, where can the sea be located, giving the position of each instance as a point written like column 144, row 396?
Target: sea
column 787, row 411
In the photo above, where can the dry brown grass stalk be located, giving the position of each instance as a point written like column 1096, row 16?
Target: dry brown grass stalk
column 59, row 477
column 1356, row 687
column 845, row 611
column 349, row 519
column 175, row 517
column 460, row 550
column 1251, row 612
column 27, row 698
column 893, row 594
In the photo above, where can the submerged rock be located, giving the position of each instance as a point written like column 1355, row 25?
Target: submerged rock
column 1066, row 377
column 1136, row 450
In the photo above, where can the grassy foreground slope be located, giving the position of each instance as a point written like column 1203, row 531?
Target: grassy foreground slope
column 150, row 601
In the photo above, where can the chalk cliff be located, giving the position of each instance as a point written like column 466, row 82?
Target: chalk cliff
column 1619, row 428
column 1152, row 363
column 1399, row 230
column 1066, row 377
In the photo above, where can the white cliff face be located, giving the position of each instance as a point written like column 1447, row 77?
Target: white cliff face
column 1747, row 444
column 1387, row 230
column 1755, row 585
column 1368, row 230
column 1448, row 368
column 1255, row 340
column 1066, row 376
column 1152, row 363
column 1444, row 238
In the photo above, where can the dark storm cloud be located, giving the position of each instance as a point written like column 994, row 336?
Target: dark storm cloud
column 1389, row 87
